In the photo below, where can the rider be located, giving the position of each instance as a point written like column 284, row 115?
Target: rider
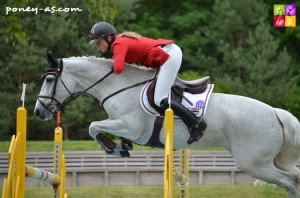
column 131, row 47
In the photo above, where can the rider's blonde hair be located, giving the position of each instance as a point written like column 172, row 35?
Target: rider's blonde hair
column 132, row 35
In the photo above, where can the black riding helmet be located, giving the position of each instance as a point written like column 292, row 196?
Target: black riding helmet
column 102, row 30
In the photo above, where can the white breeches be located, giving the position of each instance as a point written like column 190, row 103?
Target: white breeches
column 168, row 72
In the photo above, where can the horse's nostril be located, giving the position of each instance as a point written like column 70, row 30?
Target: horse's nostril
column 37, row 112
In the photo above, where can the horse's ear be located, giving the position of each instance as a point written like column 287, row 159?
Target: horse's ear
column 53, row 62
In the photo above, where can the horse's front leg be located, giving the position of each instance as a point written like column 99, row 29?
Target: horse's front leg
column 114, row 127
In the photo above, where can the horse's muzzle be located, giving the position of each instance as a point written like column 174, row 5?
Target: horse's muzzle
column 39, row 115
column 42, row 113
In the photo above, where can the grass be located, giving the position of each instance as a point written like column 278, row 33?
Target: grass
column 48, row 145
column 203, row 191
column 72, row 145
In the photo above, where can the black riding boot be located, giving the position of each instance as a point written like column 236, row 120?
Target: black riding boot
column 196, row 127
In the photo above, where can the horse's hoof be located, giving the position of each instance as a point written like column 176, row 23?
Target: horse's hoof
column 107, row 150
column 126, row 145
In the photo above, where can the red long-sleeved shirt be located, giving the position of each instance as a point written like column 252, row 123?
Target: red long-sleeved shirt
column 142, row 50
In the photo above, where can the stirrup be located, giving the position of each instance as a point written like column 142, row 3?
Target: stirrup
column 196, row 131
column 194, row 137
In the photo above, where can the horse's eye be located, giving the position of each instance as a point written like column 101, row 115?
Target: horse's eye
column 50, row 79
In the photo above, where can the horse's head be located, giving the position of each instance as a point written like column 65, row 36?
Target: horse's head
column 50, row 98
column 66, row 79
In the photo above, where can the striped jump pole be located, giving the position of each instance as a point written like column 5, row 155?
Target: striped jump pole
column 40, row 174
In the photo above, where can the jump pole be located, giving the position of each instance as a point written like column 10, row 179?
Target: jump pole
column 184, row 169
column 40, row 174
column 180, row 175
column 169, row 146
column 59, row 160
column 14, row 185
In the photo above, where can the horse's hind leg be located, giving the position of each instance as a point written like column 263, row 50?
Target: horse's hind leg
column 281, row 178
column 269, row 173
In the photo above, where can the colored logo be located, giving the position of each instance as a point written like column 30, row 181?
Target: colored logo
column 284, row 15
column 200, row 104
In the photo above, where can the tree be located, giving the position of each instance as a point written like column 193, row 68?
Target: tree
column 27, row 37
column 243, row 56
column 233, row 42
column 259, row 69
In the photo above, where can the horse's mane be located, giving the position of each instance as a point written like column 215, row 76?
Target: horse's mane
column 107, row 61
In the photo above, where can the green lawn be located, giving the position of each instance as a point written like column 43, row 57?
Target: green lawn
column 201, row 191
column 48, row 145
column 72, row 145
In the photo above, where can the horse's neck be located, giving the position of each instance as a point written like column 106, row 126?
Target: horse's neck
column 85, row 71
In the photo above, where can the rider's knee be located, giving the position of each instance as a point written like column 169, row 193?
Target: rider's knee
column 93, row 134
column 157, row 100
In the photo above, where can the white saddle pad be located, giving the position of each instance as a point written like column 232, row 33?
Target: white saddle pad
column 199, row 101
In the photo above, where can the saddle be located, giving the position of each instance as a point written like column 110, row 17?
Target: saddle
column 179, row 86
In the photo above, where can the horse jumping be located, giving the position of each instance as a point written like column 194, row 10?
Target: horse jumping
column 264, row 141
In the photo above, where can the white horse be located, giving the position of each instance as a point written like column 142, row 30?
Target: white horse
column 264, row 141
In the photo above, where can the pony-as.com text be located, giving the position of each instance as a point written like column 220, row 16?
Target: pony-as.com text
column 51, row 10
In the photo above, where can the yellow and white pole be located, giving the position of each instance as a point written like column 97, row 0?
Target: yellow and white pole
column 184, row 170
column 40, row 174
column 59, row 160
column 21, row 151
column 169, row 146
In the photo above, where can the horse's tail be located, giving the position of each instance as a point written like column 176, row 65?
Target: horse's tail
column 289, row 153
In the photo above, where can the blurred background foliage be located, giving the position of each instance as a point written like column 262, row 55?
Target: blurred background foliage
column 234, row 42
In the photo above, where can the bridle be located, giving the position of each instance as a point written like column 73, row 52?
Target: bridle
column 56, row 103
column 56, row 71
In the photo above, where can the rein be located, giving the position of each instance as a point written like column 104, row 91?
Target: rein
column 59, row 106
column 124, row 89
column 129, row 87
